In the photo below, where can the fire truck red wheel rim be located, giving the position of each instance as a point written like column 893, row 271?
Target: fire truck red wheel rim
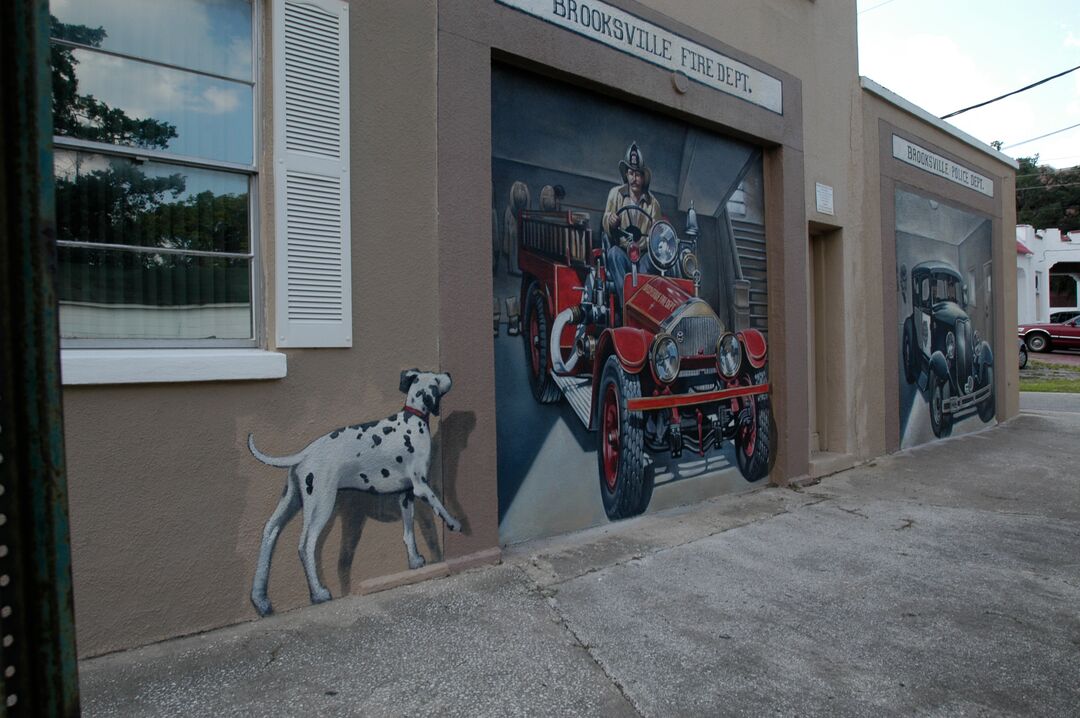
column 610, row 437
column 750, row 428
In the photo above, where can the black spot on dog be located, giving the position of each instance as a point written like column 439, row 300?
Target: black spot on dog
column 376, row 440
column 408, row 431
column 385, row 473
column 399, row 459
column 387, row 430
column 421, row 430
column 367, row 425
column 408, row 445
column 371, row 490
column 309, row 480
column 425, row 500
column 334, row 434
column 406, row 500
column 363, row 476
column 354, row 427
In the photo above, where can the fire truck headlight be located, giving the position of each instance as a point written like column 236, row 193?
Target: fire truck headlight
column 728, row 355
column 665, row 358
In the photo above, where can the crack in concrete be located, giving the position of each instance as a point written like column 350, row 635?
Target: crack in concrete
column 661, row 549
column 560, row 619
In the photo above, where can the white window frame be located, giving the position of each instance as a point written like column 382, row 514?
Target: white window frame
column 71, row 346
column 132, row 361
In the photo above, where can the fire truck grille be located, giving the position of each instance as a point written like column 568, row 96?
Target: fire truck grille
column 696, row 335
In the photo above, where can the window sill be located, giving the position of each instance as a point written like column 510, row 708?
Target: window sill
column 144, row 366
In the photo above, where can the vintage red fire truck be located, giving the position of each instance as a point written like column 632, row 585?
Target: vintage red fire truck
column 659, row 374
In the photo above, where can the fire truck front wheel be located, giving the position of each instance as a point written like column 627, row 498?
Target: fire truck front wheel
column 535, row 336
column 620, row 457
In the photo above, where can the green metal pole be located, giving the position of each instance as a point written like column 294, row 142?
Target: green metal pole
column 37, row 626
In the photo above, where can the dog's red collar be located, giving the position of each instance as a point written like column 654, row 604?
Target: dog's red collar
column 416, row 412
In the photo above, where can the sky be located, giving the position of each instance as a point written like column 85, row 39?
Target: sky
column 944, row 55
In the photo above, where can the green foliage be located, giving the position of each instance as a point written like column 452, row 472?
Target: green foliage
column 1047, row 198
column 84, row 116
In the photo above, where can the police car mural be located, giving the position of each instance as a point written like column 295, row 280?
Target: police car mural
column 944, row 286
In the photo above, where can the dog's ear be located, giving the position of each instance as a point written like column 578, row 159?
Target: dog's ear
column 408, row 376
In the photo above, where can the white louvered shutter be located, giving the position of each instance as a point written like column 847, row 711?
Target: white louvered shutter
column 313, row 290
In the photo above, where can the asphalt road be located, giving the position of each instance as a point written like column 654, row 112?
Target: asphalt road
column 942, row 580
column 1064, row 356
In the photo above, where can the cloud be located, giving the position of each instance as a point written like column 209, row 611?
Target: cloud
column 142, row 90
column 219, row 100
column 1071, row 40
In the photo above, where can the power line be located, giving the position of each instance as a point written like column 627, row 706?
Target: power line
column 875, row 7
column 1009, row 94
column 1054, row 186
column 1055, row 132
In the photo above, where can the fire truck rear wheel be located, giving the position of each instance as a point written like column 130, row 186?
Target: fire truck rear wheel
column 620, row 457
column 534, row 334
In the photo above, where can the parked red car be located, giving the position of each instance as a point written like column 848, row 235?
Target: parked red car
column 1047, row 337
column 656, row 375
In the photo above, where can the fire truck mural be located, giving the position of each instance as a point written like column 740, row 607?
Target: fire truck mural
column 629, row 312
column 946, row 319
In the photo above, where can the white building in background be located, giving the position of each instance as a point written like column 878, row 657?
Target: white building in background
column 1037, row 251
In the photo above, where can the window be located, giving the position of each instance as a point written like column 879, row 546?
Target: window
column 155, row 169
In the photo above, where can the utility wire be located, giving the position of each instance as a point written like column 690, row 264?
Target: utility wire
column 1008, row 94
column 874, row 7
column 1055, row 132
column 1052, row 186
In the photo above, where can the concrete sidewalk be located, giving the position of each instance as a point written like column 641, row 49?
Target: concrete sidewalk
column 943, row 580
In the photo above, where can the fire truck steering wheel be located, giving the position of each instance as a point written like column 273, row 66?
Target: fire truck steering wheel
column 632, row 234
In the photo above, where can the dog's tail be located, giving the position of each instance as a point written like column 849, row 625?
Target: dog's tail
column 282, row 461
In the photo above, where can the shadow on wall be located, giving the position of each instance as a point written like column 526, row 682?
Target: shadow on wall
column 453, row 437
column 356, row 508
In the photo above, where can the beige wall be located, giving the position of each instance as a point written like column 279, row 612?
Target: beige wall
column 167, row 506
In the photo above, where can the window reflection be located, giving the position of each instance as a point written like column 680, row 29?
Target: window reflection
column 104, row 98
column 122, row 294
column 153, row 249
column 211, row 36
column 115, row 200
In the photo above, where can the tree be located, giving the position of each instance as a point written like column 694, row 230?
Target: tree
column 86, row 117
column 1047, row 197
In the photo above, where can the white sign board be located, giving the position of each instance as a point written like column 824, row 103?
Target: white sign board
column 824, row 198
column 625, row 32
column 936, row 164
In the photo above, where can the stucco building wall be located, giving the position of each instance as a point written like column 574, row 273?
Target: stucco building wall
column 167, row 505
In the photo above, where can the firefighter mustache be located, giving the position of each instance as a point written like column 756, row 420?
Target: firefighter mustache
column 628, row 217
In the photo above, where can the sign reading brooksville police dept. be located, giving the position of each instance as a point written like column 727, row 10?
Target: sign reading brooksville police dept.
column 619, row 29
column 938, row 165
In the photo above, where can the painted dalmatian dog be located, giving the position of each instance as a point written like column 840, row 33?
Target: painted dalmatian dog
column 383, row 457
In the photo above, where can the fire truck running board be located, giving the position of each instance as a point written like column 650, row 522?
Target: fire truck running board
column 578, row 393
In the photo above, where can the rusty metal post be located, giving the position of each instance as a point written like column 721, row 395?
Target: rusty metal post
column 37, row 627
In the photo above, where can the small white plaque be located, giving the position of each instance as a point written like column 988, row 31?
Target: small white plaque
column 824, row 199
column 935, row 164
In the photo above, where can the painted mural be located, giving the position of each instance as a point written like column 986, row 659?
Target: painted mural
column 391, row 456
column 629, row 312
column 946, row 319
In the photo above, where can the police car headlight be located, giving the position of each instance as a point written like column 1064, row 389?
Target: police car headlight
column 728, row 355
column 665, row 358
column 663, row 244
column 950, row 346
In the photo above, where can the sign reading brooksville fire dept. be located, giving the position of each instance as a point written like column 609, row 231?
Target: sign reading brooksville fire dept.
column 619, row 29
column 936, row 164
